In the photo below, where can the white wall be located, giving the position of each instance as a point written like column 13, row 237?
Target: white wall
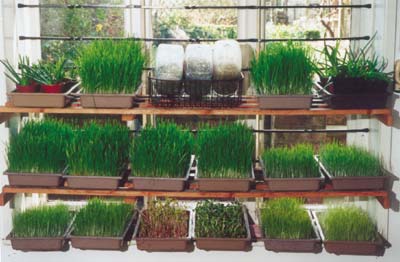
column 383, row 141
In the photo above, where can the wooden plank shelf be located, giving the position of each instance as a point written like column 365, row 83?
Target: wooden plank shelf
column 126, row 192
column 248, row 108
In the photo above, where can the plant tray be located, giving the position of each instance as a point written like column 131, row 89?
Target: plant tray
column 225, row 184
column 161, row 184
column 295, row 245
column 165, row 244
column 357, row 86
column 364, row 248
column 227, row 244
column 285, row 102
column 93, row 182
column 39, row 244
column 354, row 183
column 107, row 101
column 292, row 245
column 292, row 184
column 105, row 243
column 43, row 99
column 184, row 244
column 361, row 101
column 34, row 179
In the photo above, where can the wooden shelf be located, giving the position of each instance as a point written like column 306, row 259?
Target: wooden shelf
column 248, row 108
column 8, row 192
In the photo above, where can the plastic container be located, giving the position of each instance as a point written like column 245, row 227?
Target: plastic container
column 106, row 243
column 169, row 66
column 227, row 65
column 20, row 98
column 198, row 66
column 151, row 244
column 226, row 243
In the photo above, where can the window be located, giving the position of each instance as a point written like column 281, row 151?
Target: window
column 310, row 23
column 206, row 23
column 77, row 22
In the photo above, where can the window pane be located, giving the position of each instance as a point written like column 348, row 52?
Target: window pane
column 206, row 23
column 308, row 22
column 77, row 22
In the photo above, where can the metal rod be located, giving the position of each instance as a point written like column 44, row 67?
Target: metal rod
column 83, row 38
column 197, row 40
column 364, row 130
column 246, row 69
column 188, row 7
column 294, row 131
column 316, row 39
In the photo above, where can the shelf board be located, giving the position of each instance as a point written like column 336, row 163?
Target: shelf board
column 9, row 191
column 248, row 108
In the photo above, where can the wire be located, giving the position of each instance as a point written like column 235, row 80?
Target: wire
column 195, row 40
column 187, row 7
column 363, row 130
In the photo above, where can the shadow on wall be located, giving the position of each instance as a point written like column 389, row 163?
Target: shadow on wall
column 395, row 104
column 394, row 202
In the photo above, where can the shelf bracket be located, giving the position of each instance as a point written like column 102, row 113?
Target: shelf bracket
column 384, row 201
column 126, row 118
column 5, row 198
column 386, row 119
column 5, row 117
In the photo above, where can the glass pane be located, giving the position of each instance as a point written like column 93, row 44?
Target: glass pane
column 77, row 22
column 205, row 23
column 308, row 22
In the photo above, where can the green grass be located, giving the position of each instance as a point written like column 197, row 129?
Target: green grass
column 42, row 221
column 225, row 151
column 162, row 151
column 285, row 218
column 102, row 219
column 349, row 161
column 283, row 69
column 164, row 219
column 295, row 162
column 111, row 67
column 219, row 220
column 40, row 147
column 348, row 224
column 99, row 150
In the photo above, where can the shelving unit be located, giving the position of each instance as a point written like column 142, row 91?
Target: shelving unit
column 9, row 192
column 248, row 108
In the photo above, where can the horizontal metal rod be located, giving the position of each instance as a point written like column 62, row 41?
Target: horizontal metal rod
column 316, row 39
column 192, row 7
column 295, row 131
column 364, row 130
column 246, row 69
column 197, row 40
column 83, row 38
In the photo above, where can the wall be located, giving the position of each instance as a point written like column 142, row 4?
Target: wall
column 383, row 141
